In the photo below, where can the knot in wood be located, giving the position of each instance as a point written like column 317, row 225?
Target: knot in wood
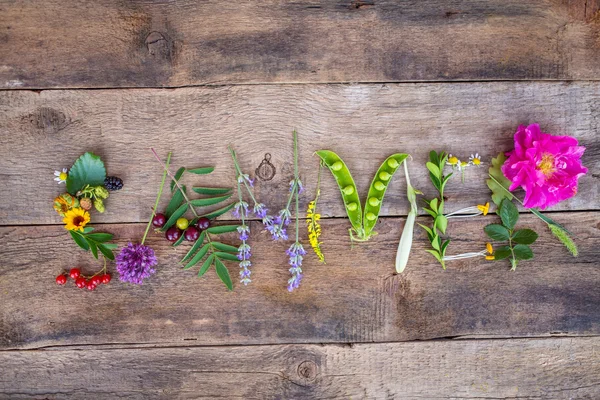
column 307, row 371
column 266, row 171
column 158, row 45
column 48, row 119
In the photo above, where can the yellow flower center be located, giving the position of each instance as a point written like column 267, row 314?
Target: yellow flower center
column 453, row 160
column 476, row 161
column 63, row 176
column 546, row 166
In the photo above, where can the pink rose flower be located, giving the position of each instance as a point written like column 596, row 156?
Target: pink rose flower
column 547, row 167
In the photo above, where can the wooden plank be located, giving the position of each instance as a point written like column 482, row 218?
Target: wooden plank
column 557, row 368
column 111, row 43
column 355, row 297
column 364, row 123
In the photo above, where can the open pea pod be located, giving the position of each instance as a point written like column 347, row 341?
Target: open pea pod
column 344, row 179
column 377, row 190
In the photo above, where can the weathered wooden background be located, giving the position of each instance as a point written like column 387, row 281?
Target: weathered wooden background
column 364, row 78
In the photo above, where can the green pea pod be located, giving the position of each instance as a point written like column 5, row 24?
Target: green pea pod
column 344, row 179
column 377, row 190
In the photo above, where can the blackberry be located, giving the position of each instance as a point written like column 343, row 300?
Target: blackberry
column 113, row 183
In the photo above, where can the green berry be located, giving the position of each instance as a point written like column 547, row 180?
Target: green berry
column 182, row 223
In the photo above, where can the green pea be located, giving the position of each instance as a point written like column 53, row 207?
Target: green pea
column 379, row 185
column 348, row 190
column 392, row 163
column 336, row 166
column 374, row 201
column 371, row 217
column 352, row 206
column 384, row 176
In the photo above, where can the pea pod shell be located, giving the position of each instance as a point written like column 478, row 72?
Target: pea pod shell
column 344, row 179
column 372, row 207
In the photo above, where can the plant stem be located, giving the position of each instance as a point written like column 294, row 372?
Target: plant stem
column 160, row 190
column 240, row 173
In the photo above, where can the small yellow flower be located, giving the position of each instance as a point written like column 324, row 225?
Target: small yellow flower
column 475, row 159
column 490, row 258
column 490, row 250
column 76, row 219
column 64, row 203
column 314, row 230
column 452, row 160
column 484, row 208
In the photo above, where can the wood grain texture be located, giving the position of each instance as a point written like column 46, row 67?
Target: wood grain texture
column 113, row 43
column 557, row 368
column 355, row 297
column 45, row 131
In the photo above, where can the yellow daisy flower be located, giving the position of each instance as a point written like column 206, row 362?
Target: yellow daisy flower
column 76, row 219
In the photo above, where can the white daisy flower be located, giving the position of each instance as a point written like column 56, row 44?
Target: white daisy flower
column 475, row 159
column 61, row 176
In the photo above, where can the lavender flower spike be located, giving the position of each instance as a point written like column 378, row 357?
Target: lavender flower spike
column 296, row 253
column 135, row 262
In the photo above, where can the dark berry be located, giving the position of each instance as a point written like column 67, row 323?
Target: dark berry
column 74, row 273
column 80, row 282
column 90, row 285
column 203, row 223
column 61, row 279
column 105, row 278
column 191, row 234
column 113, row 183
column 96, row 280
column 173, row 233
column 159, row 220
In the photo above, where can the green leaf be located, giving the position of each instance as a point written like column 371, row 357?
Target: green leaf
column 87, row 170
column 219, row 212
column 444, row 247
column 428, row 230
column 211, row 191
column 195, row 247
column 79, row 240
column 433, row 157
column 433, row 204
column 524, row 236
column 565, row 239
column 175, row 202
column 206, row 265
column 106, row 251
column 223, row 273
column 209, row 201
column 110, row 246
column 497, row 232
column 94, row 249
column 433, row 168
column 199, row 256
column 225, row 247
column 499, row 184
column 177, row 177
column 502, row 252
column 179, row 241
column 222, row 229
column 87, row 229
column 99, row 237
column 226, row 256
column 522, row 252
column 202, row 171
column 435, row 254
column 435, row 243
column 509, row 214
column 549, row 220
column 175, row 216
column 441, row 222
column 435, row 180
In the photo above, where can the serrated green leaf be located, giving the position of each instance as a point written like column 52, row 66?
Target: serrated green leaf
column 523, row 252
column 502, row 252
column 565, row 239
column 106, row 251
column 175, row 216
column 219, row 212
column 175, row 202
column 225, row 247
column 79, row 240
column 195, row 247
column 209, row 201
column 524, row 236
column 94, row 249
column 179, row 241
column 222, row 229
column 207, row 263
column 199, row 256
column 226, row 256
column 497, row 232
column 99, row 237
column 177, row 177
column 223, row 273
column 88, row 169
column 211, row 191
column 201, row 171
column 508, row 214
column 499, row 185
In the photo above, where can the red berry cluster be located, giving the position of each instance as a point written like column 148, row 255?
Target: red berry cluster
column 190, row 233
column 81, row 281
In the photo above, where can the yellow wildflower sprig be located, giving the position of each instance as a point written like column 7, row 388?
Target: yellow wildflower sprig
column 312, row 221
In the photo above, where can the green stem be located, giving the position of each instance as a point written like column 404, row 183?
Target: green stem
column 240, row 173
column 160, row 190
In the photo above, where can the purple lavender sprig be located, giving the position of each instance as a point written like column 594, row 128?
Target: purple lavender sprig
column 296, row 253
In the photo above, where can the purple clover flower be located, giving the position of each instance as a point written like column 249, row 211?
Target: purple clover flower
column 135, row 262
column 296, row 253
